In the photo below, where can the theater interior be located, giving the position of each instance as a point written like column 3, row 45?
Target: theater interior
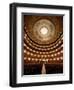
column 42, row 50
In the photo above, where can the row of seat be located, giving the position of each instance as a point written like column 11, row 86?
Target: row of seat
column 32, row 69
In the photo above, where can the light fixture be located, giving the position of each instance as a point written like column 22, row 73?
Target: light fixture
column 62, row 51
column 58, row 53
column 54, row 59
column 50, row 59
column 38, row 55
column 55, row 54
column 25, row 58
column 24, row 44
column 28, row 53
column 52, row 55
column 61, row 58
column 44, row 31
column 29, row 59
column 24, row 51
column 57, row 59
column 31, row 54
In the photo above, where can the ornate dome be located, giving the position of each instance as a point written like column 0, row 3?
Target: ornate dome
column 43, row 39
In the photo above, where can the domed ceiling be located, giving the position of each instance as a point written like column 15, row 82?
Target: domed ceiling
column 43, row 30
column 43, row 39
